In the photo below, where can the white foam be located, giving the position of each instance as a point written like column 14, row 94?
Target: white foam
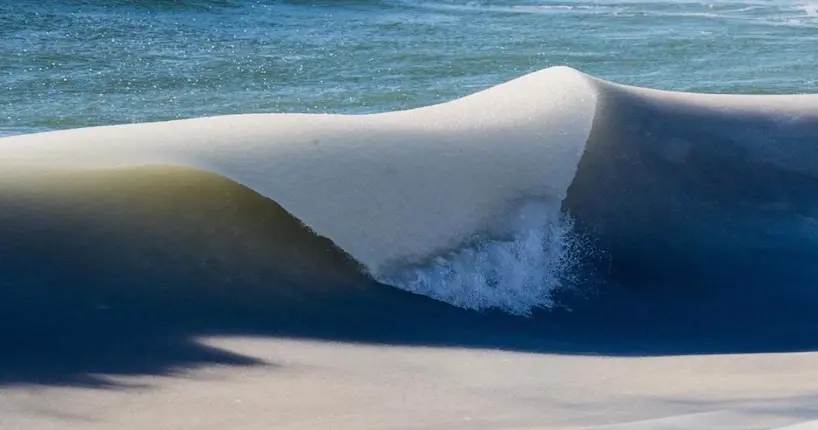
column 811, row 9
column 516, row 274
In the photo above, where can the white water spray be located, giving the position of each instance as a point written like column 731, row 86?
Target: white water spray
column 516, row 274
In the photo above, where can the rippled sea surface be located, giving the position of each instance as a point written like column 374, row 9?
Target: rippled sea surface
column 79, row 63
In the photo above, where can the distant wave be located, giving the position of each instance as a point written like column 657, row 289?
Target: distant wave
column 487, row 201
column 165, row 4
column 793, row 14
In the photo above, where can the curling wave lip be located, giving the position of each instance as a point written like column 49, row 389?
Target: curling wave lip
column 389, row 189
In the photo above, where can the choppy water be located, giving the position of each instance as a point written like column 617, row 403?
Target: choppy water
column 77, row 63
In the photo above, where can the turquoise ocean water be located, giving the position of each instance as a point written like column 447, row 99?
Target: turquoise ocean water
column 78, row 63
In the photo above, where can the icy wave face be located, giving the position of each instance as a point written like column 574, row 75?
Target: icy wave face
column 675, row 187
